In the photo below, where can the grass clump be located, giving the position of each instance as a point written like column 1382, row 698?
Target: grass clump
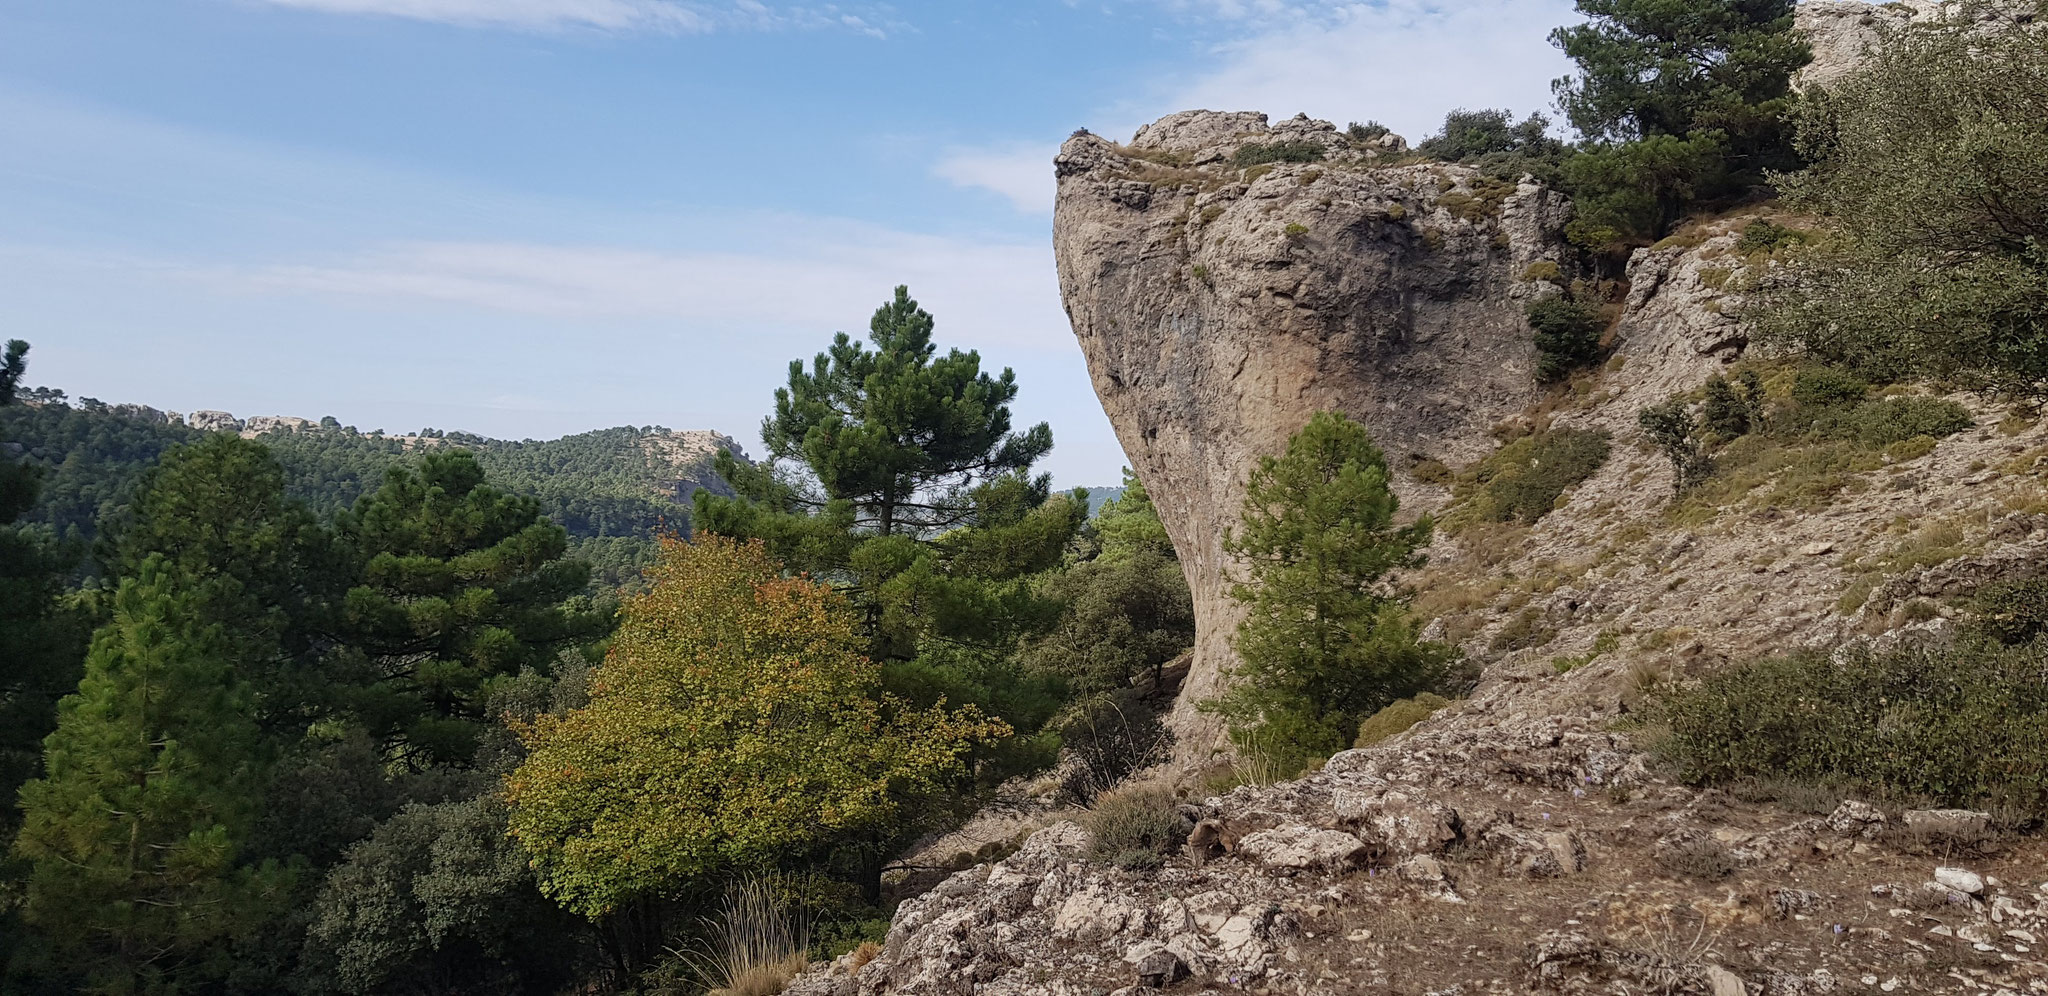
column 1962, row 725
column 1136, row 828
column 1398, row 717
column 755, row 945
column 1261, row 153
column 1522, row 481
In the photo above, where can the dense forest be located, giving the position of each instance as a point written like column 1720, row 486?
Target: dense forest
column 612, row 489
column 315, row 711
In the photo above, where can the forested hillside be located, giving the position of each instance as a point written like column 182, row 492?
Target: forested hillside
column 612, row 489
column 291, row 708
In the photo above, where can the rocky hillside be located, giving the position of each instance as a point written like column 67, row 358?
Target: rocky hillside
column 1518, row 841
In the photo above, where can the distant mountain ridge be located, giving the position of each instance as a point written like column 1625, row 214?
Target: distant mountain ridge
column 612, row 489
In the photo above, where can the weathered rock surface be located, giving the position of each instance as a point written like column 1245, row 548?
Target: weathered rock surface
column 1219, row 308
column 1844, row 32
column 1502, row 854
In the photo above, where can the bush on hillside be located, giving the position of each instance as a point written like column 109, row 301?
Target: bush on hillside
column 1261, row 153
column 1963, row 725
column 1136, row 827
column 1567, row 333
column 1521, row 482
column 2014, row 612
column 1892, row 420
column 1932, row 161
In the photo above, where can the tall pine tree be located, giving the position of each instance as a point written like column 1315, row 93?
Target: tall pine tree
column 150, row 785
column 458, row 586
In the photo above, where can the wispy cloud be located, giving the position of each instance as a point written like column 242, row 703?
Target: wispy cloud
column 1021, row 172
column 1402, row 62
column 666, row 16
column 989, row 293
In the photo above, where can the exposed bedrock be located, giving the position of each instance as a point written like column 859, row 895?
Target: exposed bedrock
column 1220, row 307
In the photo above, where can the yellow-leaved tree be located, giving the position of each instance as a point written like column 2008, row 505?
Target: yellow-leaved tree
column 735, row 723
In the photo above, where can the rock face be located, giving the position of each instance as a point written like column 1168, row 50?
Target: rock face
column 1220, row 307
column 1843, row 32
column 213, row 421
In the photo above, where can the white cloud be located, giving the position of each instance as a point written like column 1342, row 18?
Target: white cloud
column 1403, row 62
column 819, row 275
column 1021, row 172
column 667, row 16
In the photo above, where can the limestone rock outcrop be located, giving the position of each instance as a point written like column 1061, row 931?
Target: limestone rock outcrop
column 1844, row 32
column 1219, row 307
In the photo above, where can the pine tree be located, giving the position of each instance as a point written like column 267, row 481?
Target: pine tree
column 1680, row 101
column 898, row 431
column 150, row 784
column 1324, row 645
column 896, row 475
column 459, row 586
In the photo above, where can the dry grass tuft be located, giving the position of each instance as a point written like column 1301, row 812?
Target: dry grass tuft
column 754, row 946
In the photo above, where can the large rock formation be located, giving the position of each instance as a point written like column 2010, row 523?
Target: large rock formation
column 1220, row 307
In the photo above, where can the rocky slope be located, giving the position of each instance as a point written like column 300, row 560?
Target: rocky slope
column 1518, row 841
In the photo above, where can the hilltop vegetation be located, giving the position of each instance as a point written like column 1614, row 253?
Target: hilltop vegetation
column 612, row 489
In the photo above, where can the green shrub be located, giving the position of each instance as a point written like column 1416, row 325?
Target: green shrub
column 1543, row 270
column 1397, row 718
column 1567, row 334
column 1261, row 153
column 1931, row 163
column 1523, row 480
column 1370, row 131
column 1733, row 408
column 1295, row 230
column 2014, row 611
column 1963, row 725
column 1894, row 420
column 1111, row 735
column 1764, row 236
column 1825, row 387
column 1144, row 818
column 1673, row 429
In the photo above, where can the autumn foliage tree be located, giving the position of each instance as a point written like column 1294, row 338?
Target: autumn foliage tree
column 735, row 724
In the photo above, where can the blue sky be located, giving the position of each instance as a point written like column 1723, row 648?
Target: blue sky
column 535, row 217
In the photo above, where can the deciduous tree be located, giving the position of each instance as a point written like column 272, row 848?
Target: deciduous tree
column 734, row 724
